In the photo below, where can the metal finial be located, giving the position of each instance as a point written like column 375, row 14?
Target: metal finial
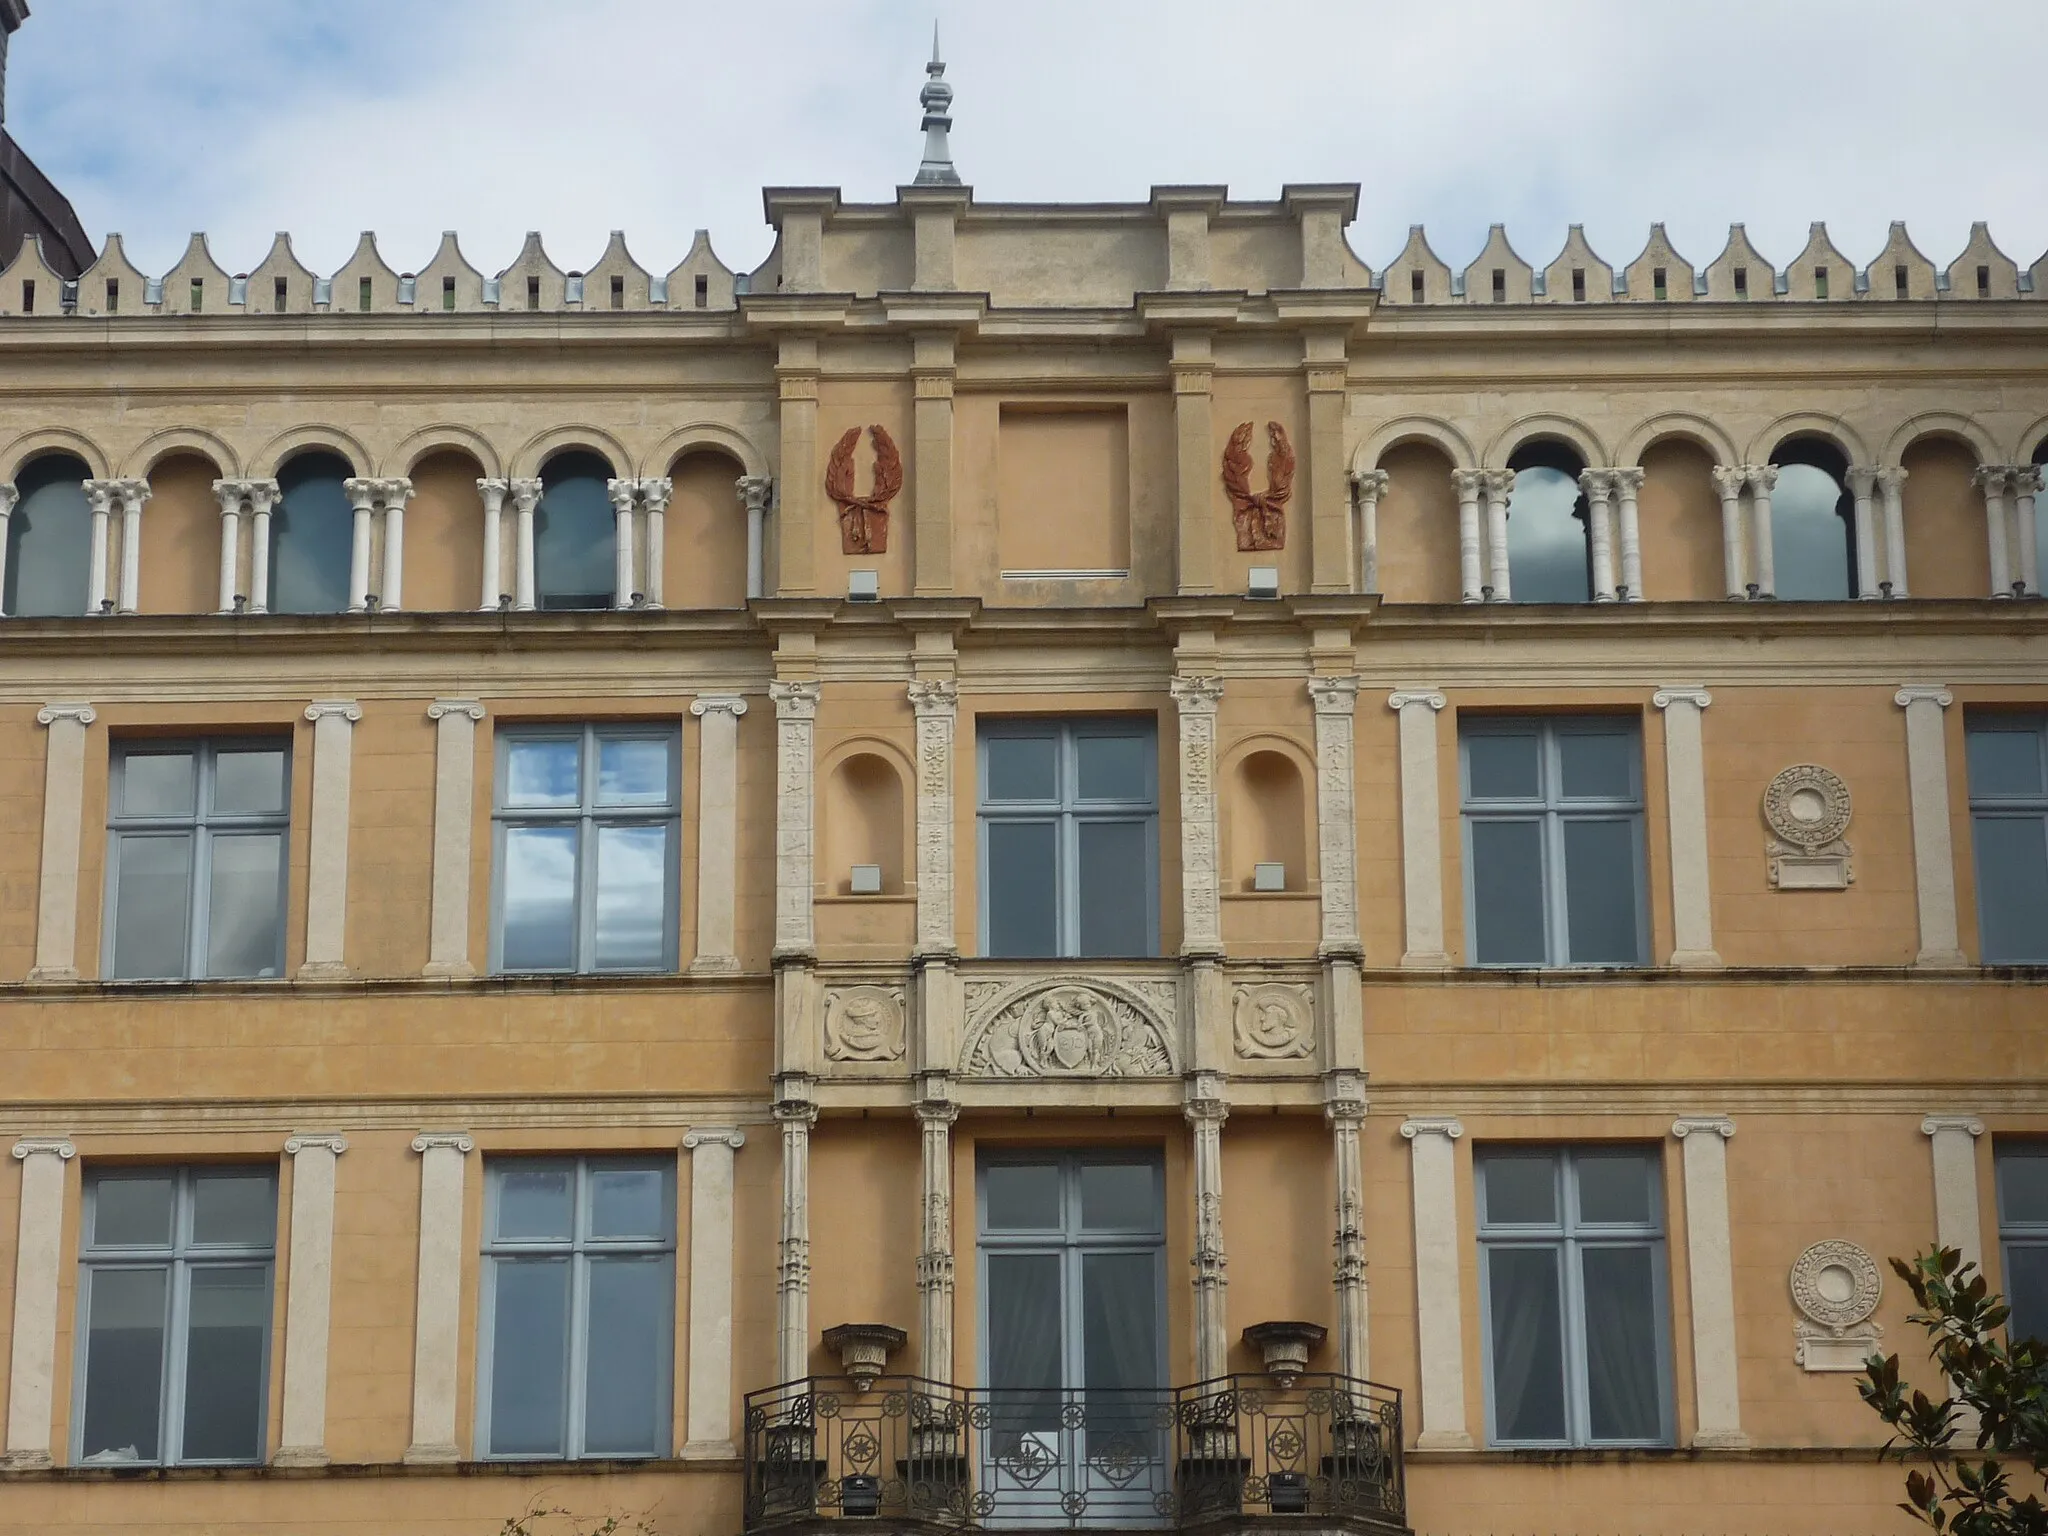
column 936, row 169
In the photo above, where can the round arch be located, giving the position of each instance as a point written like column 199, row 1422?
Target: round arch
column 279, row 449
column 1808, row 424
column 1574, row 434
column 710, row 436
column 1950, row 424
column 1267, row 815
column 158, row 446
column 2032, row 442
column 527, row 462
column 1405, row 430
column 1682, row 425
column 32, row 445
column 442, row 437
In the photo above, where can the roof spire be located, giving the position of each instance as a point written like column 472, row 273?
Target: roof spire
column 936, row 169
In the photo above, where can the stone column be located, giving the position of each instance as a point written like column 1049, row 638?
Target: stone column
column 1598, row 484
column 1685, row 788
column 133, row 494
column 437, row 1323
column 1500, row 489
column 362, row 497
column 493, row 493
column 935, row 703
column 308, row 1298
column 327, row 840
column 931, row 534
column 63, row 815
column 454, row 804
column 1728, row 482
column 754, row 490
column 1863, row 487
column 1934, row 864
column 1368, row 486
column 935, row 1117
column 1206, row 1109
column 1195, row 469
column 525, row 497
column 395, row 494
column 99, row 496
column 1763, row 479
column 708, row 1416
column 38, row 1269
column 2026, row 487
column 1891, row 484
column 1628, row 485
column 263, row 494
column 622, row 494
column 1335, row 699
column 654, row 496
column 1992, row 480
column 1468, row 483
column 796, row 1114
column 796, row 714
column 796, row 378
column 1953, row 1141
column 718, row 836
column 231, row 494
column 1422, row 857
column 9, row 496
column 1710, row 1266
column 1439, row 1297
column 1344, row 1109
column 1325, row 370
column 1200, row 879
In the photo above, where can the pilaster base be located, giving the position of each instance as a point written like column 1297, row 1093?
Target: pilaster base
column 1696, row 959
column 1720, row 1440
column 324, row 970
column 300, row 1456
column 1940, row 960
column 1443, row 1440
column 1434, row 960
column 431, row 1455
column 708, row 1450
column 714, row 965
column 449, row 970
column 25, row 1461
column 54, row 975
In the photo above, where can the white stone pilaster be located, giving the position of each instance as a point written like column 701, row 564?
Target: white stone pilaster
column 796, row 714
column 1422, row 858
column 935, row 1117
column 308, row 1301
column 1468, row 483
column 754, row 492
column 525, row 498
column 1344, row 1109
column 362, row 498
column 708, row 1412
column 2026, row 489
column 38, row 1271
column 1367, row 487
column 1628, row 486
column 1206, row 1109
column 1863, row 488
column 1500, row 490
column 1992, row 480
column 1891, row 485
column 9, row 497
column 1200, row 877
column 654, row 500
column 796, row 1114
column 1729, row 479
column 437, row 1319
column 1335, row 700
column 1934, row 864
column 454, row 805
column 1763, row 479
column 1710, row 1265
column 623, row 493
column 63, row 815
column 718, row 836
column 936, row 705
column 1598, row 485
column 1952, row 1140
column 1439, row 1294
column 327, row 838
column 493, row 493
column 1685, row 787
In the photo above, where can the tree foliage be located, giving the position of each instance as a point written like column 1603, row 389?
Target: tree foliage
column 545, row 1520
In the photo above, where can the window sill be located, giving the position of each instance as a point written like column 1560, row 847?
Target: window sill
column 1272, row 895
column 878, row 899
column 264, row 1472
column 1618, row 1455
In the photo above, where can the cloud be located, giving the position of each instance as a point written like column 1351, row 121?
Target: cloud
column 493, row 117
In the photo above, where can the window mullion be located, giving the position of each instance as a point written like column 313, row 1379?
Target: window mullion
column 171, row 1411
column 578, row 1363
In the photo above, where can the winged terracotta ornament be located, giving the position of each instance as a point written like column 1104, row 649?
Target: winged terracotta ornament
column 864, row 520
column 1261, row 516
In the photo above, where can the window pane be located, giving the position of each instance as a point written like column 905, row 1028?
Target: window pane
column 574, row 532
column 248, row 783
column 1507, row 892
column 1115, row 880
column 157, row 784
column 152, row 888
column 1503, row 765
column 311, row 530
column 1024, row 1340
column 224, row 1377
column 1119, row 1197
column 238, row 1208
column 2004, row 762
column 1600, row 893
column 539, row 913
column 49, row 542
column 632, row 881
column 2012, row 887
column 243, row 920
column 1023, row 1196
column 540, row 773
column 535, row 1203
column 1022, row 880
column 1520, row 1190
column 1597, row 764
column 1528, row 1343
column 529, row 1356
column 629, row 1202
column 1622, row 1392
column 1023, row 767
column 632, row 771
column 124, row 1364
column 628, row 1353
column 1120, row 1350
column 2026, row 1290
column 132, row 1212
column 1115, row 767
column 1809, row 538
column 1615, row 1187
column 2023, row 1186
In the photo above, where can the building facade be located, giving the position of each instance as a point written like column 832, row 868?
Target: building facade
column 1039, row 865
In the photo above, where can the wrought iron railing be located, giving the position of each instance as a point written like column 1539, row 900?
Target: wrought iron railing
column 911, row 1451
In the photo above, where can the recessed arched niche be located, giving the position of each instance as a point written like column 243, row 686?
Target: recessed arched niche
column 180, row 565
column 444, row 533
column 864, row 825
column 705, row 532
column 1268, row 821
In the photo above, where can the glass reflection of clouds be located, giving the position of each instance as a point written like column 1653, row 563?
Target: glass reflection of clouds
column 1809, row 538
column 542, row 772
column 575, row 533
column 632, row 863
column 632, row 771
column 1546, row 543
column 539, row 902
column 311, row 529
column 49, row 540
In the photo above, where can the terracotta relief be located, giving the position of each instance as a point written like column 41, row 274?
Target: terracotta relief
column 1261, row 517
column 864, row 520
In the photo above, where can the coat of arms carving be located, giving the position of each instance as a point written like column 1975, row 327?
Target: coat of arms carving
column 1068, row 1030
column 864, row 520
column 1260, row 516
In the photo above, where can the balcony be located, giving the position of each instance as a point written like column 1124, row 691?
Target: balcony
column 1322, row 1452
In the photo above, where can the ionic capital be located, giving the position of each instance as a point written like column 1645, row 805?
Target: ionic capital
column 1333, row 695
column 718, row 703
column 1933, row 1125
column 1401, row 698
column 714, row 1136
column 342, row 709
column 334, row 1144
column 470, row 707
column 58, row 1147
column 50, row 714
column 1931, row 693
column 458, row 1141
column 1447, row 1126
column 1718, row 1125
column 1698, row 698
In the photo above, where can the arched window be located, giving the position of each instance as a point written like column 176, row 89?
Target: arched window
column 574, row 534
column 310, row 535
column 1549, row 556
column 49, row 540
column 1813, row 539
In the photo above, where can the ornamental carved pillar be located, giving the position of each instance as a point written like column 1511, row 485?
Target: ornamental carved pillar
column 1206, row 1109
column 796, row 1114
column 1200, row 889
column 1628, row 486
column 1863, row 491
column 623, row 494
column 1763, row 479
column 1729, row 480
column 1367, row 487
column 1598, row 486
column 1468, row 483
column 1344, row 1109
column 935, row 1116
column 654, row 499
column 754, row 494
column 718, row 835
column 1500, row 490
column 1891, row 488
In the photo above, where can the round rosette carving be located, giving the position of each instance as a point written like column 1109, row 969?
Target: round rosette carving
column 1807, row 806
column 1836, row 1284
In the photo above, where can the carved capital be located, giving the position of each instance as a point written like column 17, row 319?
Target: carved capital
column 1992, row 479
column 50, row 714
column 718, row 703
column 935, row 696
column 656, row 493
column 714, row 1135
column 1927, row 693
column 1447, row 1126
column 1333, row 695
column 57, row 1146
column 1763, row 478
column 1729, row 479
column 623, row 494
column 525, row 493
column 936, row 1111
column 470, row 707
column 361, row 493
column 1403, row 697
column 1891, row 478
column 1863, row 481
column 1931, row 1125
column 1598, row 484
column 2027, row 480
column 1468, row 483
column 1196, row 695
column 1370, row 484
column 1205, row 1103
column 1627, row 482
column 795, row 701
column 1698, row 698
column 459, row 1141
column 8, row 497
column 494, row 493
column 754, row 491
column 342, row 709
column 1719, row 1125
column 310, row 1142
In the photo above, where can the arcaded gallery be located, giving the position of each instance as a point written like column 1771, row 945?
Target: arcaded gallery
column 1041, row 866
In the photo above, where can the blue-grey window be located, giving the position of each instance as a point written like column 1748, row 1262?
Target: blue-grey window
column 578, row 1294
column 49, row 540
column 575, row 533
column 587, row 835
column 1550, row 557
column 2009, row 829
column 2023, row 1235
column 1813, row 523
column 1572, row 1280
column 174, row 1315
column 1069, row 838
column 1553, row 822
column 311, row 534
column 197, row 843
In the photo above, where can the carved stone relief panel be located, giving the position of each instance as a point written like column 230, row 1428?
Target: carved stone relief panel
column 1807, row 809
column 864, row 1023
column 1068, row 1027
column 1273, row 1021
column 1836, row 1287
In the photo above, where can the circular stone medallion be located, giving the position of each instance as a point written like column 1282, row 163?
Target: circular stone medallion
column 1836, row 1284
column 1807, row 806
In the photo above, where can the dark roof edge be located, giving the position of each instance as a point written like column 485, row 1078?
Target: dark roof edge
column 30, row 204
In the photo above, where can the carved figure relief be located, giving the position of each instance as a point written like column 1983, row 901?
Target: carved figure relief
column 1261, row 516
column 1807, row 809
column 1066, row 1028
column 1836, row 1285
column 864, row 520
column 1273, row 1021
column 864, row 1023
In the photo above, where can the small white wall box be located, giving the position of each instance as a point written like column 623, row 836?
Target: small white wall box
column 865, row 880
column 1269, row 877
column 863, row 587
column 1263, row 581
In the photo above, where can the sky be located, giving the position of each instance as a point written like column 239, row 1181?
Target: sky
column 659, row 117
